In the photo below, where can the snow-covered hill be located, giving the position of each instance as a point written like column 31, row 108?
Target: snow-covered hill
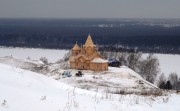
column 22, row 90
column 115, row 80
column 45, row 89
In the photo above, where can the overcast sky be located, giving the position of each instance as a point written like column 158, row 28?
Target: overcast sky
column 89, row 8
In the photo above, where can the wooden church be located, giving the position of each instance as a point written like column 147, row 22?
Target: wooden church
column 87, row 57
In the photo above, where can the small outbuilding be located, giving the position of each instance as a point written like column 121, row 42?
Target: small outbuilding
column 114, row 63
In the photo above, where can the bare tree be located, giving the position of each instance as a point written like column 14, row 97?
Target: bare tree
column 133, row 61
column 161, row 81
column 173, row 77
column 123, row 58
column 149, row 68
column 104, row 54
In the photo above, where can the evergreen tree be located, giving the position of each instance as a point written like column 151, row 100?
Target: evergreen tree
column 168, row 85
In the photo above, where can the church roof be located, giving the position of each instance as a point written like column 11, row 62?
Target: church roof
column 76, row 47
column 80, row 55
column 89, row 42
column 99, row 60
column 94, row 55
column 72, row 59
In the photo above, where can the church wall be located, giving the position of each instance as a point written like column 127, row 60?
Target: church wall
column 81, row 65
column 98, row 66
column 72, row 65
column 89, row 50
column 75, row 52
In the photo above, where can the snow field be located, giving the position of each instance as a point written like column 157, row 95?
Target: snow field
column 28, row 91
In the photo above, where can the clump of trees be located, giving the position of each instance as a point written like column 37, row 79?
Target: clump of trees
column 147, row 67
column 172, row 82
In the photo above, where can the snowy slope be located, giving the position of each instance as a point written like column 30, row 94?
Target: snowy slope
column 113, row 80
column 25, row 91
column 18, row 62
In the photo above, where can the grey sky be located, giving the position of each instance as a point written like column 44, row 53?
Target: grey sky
column 89, row 8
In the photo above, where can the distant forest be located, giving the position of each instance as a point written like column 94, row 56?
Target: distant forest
column 145, row 35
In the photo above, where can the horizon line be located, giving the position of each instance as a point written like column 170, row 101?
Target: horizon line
column 77, row 18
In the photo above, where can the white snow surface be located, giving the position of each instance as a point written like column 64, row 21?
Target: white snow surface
column 34, row 53
column 28, row 91
column 113, row 80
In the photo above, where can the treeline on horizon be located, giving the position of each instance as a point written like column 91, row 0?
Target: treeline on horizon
column 62, row 34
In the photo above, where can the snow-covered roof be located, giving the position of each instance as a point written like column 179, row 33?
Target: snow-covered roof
column 99, row 60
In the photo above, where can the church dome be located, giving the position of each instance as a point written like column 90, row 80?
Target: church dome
column 89, row 42
column 76, row 47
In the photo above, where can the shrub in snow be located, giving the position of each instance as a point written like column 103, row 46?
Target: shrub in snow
column 162, row 85
column 44, row 60
column 151, row 92
column 4, row 104
column 59, row 61
column 66, row 56
column 28, row 58
column 123, row 92
column 43, row 98
column 63, row 64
